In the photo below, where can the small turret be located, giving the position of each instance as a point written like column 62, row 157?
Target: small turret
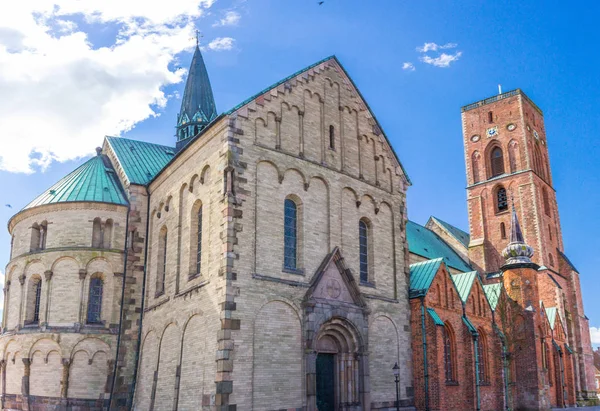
column 517, row 251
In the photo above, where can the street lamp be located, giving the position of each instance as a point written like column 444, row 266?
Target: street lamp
column 396, row 370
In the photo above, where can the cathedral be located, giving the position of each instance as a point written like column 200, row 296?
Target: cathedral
column 265, row 261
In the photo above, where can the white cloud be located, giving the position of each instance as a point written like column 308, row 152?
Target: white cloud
column 61, row 94
column 435, row 47
column 443, row 60
column 232, row 18
column 595, row 335
column 221, row 43
column 408, row 66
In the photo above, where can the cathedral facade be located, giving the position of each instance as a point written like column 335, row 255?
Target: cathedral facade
column 266, row 262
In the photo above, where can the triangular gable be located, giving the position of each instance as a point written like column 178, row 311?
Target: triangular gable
column 458, row 234
column 422, row 275
column 566, row 260
column 551, row 316
column 300, row 77
column 464, row 283
column 492, row 293
column 334, row 281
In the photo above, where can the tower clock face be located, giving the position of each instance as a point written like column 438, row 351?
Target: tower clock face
column 492, row 132
column 511, row 127
column 475, row 138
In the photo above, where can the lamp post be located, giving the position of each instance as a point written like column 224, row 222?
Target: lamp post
column 396, row 370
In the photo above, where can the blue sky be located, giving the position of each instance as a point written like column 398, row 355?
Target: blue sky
column 548, row 49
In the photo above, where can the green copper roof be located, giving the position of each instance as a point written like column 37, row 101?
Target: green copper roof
column 421, row 276
column 95, row 180
column 492, row 292
column 462, row 236
column 470, row 326
column 436, row 318
column 551, row 315
column 280, row 82
column 141, row 161
column 464, row 283
column 426, row 243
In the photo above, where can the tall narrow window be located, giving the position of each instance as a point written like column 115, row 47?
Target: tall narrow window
column 482, row 358
column 95, row 301
column 32, row 314
column 35, row 237
column 331, row 137
column 97, row 233
column 107, row 233
column 550, row 232
column 501, row 199
column 546, row 201
column 448, row 356
column 162, row 262
column 497, row 162
column 503, row 231
column 490, row 117
column 475, row 164
column 512, row 155
column 290, row 258
column 551, row 259
column 363, row 236
column 199, row 242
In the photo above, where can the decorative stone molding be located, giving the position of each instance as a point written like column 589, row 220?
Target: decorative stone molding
column 82, row 274
column 22, row 279
column 48, row 275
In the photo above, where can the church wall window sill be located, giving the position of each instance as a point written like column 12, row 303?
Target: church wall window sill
column 297, row 271
column 367, row 284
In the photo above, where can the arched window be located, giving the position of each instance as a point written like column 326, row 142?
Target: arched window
column 497, row 162
column 35, row 237
column 199, row 240
column 490, row 117
column 97, row 233
column 107, row 233
column 546, row 201
column 503, row 231
column 196, row 130
column 482, row 357
column 95, row 301
column 449, row 371
column 363, row 237
column 501, row 200
column 475, row 164
column 162, row 262
column 331, row 137
column 34, row 295
column 290, row 235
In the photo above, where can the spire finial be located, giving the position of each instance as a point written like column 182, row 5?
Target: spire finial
column 198, row 36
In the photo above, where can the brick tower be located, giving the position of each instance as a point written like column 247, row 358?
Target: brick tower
column 507, row 157
column 507, row 164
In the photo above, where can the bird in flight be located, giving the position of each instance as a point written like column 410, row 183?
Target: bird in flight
column 321, row 2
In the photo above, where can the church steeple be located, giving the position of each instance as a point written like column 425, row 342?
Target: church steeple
column 198, row 104
column 517, row 251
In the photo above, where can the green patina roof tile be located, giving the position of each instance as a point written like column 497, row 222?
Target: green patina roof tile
column 422, row 275
column 426, row 243
column 462, row 236
column 470, row 326
column 95, row 180
column 492, row 292
column 140, row 160
column 464, row 283
column 436, row 318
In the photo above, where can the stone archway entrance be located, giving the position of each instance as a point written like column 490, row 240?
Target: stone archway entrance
column 338, row 368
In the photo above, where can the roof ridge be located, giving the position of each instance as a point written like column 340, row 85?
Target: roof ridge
column 117, row 138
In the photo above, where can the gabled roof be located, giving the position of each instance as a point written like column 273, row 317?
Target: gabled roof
column 492, row 293
column 95, row 181
column 464, row 283
column 424, row 242
column 564, row 257
column 436, row 318
column 470, row 326
column 328, row 60
column 460, row 235
column 141, row 161
column 551, row 315
column 422, row 275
